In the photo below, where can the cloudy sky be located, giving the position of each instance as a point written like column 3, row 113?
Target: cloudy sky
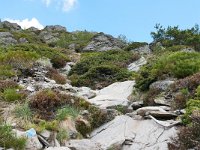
column 133, row 18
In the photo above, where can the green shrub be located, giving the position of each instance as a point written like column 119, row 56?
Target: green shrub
column 135, row 45
column 40, row 49
column 41, row 125
column 198, row 92
column 177, row 65
column 65, row 112
column 174, row 36
column 6, row 72
column 23, row 111
column 9, row 140
column 80, row 39
column 98, row 69
column 11, row 95
column 18, row 59
column 62, row 135
column 192, row 107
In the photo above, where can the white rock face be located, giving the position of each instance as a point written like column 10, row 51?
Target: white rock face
column 133, row 134
column 113, row 95
column 57, row 148
column 135, row 66
column 83, row 144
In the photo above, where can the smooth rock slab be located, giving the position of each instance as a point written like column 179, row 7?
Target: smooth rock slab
column 113, row 95
column 133, row 134
column 83, row 144
column 135, row 66
column 57, row 148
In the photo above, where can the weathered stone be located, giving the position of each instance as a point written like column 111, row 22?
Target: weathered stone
column 162, row 115
column 84, row 144
column 69, row 125
column 49, row 37
column 55, row 28
column 113, row 95
column 161, row 100
column 23, row 40
column 161, row 85
column 32, row 29
column 10, row 26
column 136, row 105
column 85, row 92
column 145, row 110
column 6, row 38
column 143, row 50
column 57, row 148
column 104, row 42
column 135, row 66
column 46, row 134
column 133, row 134
column 32, row 142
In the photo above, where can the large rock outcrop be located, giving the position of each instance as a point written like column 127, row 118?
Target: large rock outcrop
column 126, row 133
column 10, row 26
column 113, row 95
column 104, row 42
column 6, row 38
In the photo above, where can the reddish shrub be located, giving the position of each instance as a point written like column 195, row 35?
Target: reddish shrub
column 55, row 75
column 5, row 84
column 58, row 62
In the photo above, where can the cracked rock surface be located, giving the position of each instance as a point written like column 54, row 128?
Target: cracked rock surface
column 133, row 134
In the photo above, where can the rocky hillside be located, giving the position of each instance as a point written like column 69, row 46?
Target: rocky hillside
column 83, row 90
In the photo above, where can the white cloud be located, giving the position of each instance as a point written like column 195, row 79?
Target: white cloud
column 69, row 5
column 26, row 23
column 47, row 2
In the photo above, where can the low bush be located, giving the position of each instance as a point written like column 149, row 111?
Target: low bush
column 7, row 84
column 45, row 102
column 6, row 72
column 11, row 95
column 23, row 112
column 193, row 107
column 101, row 76
column 55, row 75
column 66, row 111
column 135, row 45
column 177, row 65
column 18, row 59
column 9, row 140
column 99, row 69
column 62, row 135
column 80, row 39
column 58, row 62
column 188, row 136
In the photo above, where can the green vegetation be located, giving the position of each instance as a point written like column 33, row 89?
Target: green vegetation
column 65, row 112
column 62, row 135
column 80, row 39
column 135, row 45
column 174, row 64
column 175, row 36
column 23, row 111
column 11, row 95
column 98, row 69
column 28, row 35
column 193, row 106
column 9, row 140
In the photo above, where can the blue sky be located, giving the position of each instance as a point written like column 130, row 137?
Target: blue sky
column 133, row 18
